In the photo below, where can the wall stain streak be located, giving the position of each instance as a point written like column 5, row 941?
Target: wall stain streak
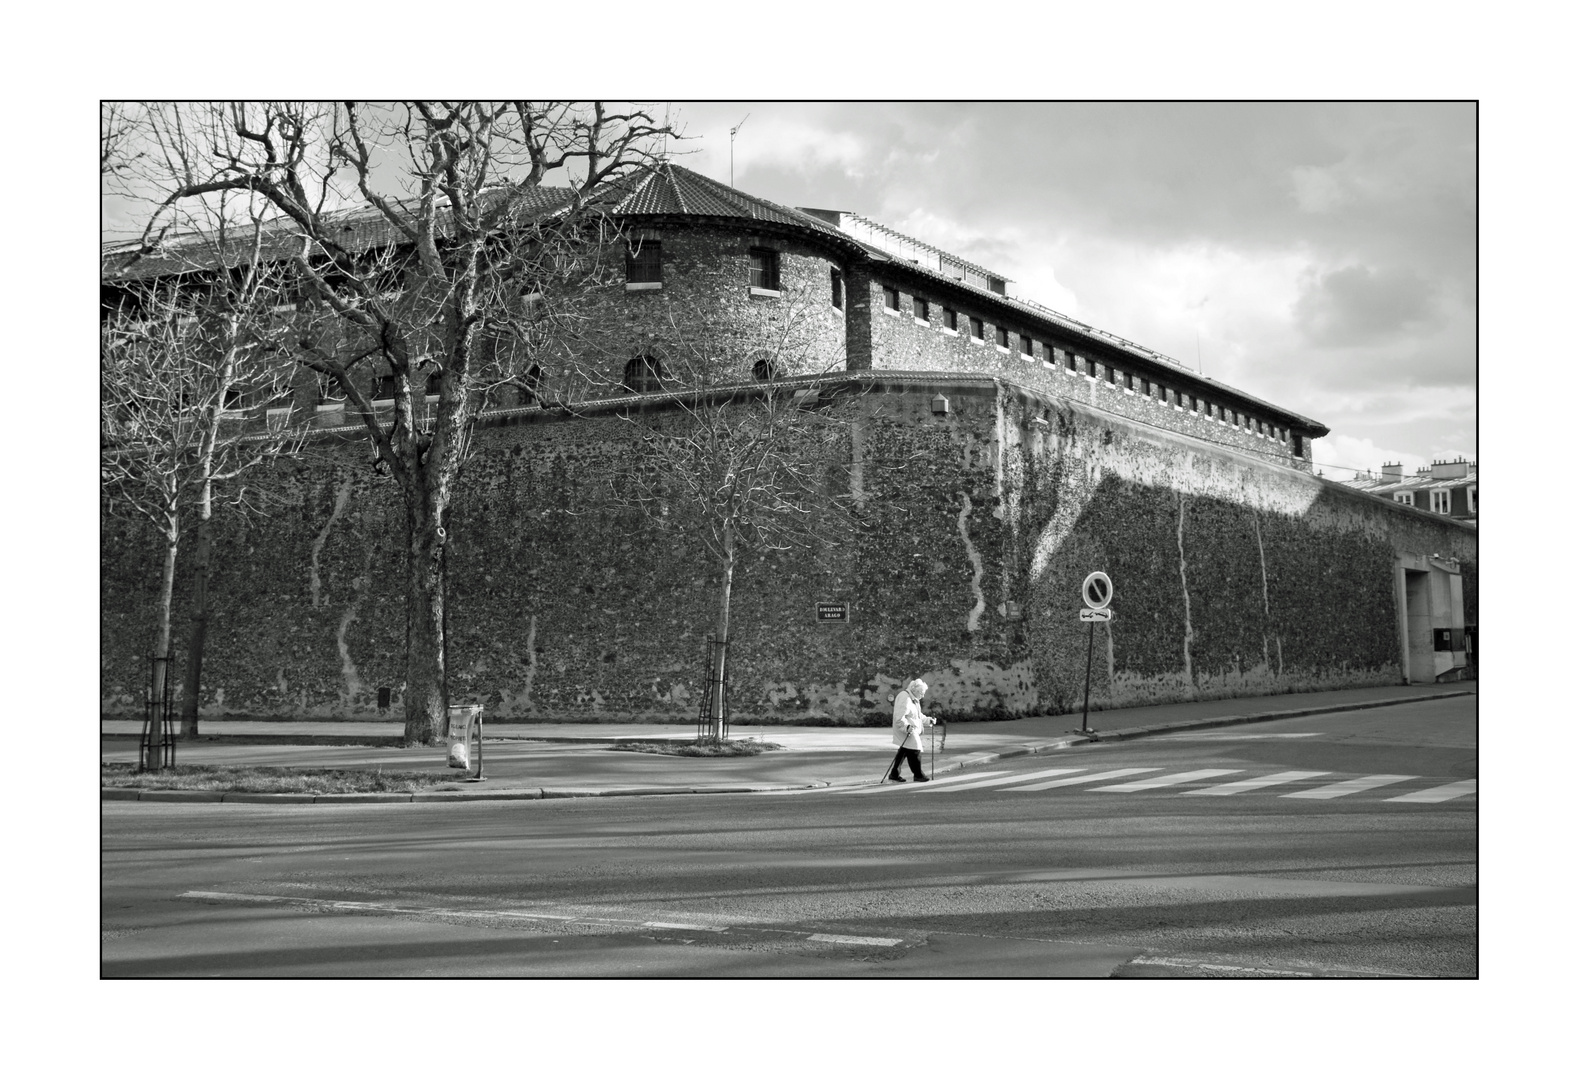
column 1184, row 582
column 973, row 620
column 341, row 499
column 1266, row 603
column 353, row 681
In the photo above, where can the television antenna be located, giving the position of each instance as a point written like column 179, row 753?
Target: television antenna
column 732, row 131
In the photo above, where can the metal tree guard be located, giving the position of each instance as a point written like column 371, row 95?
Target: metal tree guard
column 714, row 682
column 157, row 748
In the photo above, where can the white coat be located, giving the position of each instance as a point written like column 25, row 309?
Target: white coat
column 909, row 721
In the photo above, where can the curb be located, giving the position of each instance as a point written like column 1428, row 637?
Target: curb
column 982, row 758
column 303, row 798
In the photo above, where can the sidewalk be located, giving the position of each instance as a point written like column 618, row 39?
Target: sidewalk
column 532, row 761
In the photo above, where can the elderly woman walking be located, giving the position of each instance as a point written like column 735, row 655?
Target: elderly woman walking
column 909, row 721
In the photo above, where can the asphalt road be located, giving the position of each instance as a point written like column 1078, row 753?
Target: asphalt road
column 1286, row 872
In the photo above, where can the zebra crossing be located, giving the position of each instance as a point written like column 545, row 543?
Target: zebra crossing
column 1134, row 781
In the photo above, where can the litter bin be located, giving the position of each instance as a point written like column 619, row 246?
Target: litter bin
column 465, row 722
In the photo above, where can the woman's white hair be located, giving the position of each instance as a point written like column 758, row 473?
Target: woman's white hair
column 916, row 688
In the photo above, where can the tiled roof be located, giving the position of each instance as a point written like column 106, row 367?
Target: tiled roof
column 1416, row 482
column 357, row 229
column 668, row 190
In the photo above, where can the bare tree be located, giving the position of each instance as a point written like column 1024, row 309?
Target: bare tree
column 177, row 363
column 430, row 254
column 753, row 461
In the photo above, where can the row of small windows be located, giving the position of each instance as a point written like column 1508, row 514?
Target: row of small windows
column 644, row 266
column 921, row 309
column 645, row 374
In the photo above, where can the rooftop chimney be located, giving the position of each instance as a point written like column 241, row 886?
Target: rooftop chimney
column 1449, row 470
column 1392, row 471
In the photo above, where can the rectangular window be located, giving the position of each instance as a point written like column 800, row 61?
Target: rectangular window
column 1112, row 374
column 921, row 309
column 1071, row 361
column 765, row 269
column 838, row 286
column 644, row 263
column 1405, row 497
column 1129, row 381
column 1441, row 501
column 951, row 319
column 978, row 329
column 1091, row 368
column 890, row 298
column 1474, row 498
column 1001, row 336
column 1026, row 348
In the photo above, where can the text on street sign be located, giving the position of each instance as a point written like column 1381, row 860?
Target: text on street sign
column 1095, row 615
column 828, row 612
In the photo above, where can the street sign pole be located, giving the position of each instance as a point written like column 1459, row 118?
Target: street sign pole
column 1085, row 709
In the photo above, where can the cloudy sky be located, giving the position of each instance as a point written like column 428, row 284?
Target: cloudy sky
column 1319, row 256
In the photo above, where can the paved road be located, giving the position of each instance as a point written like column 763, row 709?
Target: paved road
column 1341, row 844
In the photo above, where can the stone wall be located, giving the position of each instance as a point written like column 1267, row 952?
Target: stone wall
column 976, row 527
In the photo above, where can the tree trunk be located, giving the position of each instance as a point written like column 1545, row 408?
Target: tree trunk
column 426, row 693
column 721, row 638
column 192, row 684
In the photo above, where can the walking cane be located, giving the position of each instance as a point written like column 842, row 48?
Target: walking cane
column 893, row 766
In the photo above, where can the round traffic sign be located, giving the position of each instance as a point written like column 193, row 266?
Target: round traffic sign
column 1097, row 591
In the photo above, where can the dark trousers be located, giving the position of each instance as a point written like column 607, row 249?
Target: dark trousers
column 910, row 755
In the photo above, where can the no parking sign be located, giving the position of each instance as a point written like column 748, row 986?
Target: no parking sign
column 1097, row 592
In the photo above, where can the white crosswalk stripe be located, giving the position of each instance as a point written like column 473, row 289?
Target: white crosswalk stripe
column 1438, row 794
column 955, row 779
column 1167, row 781
column 1348, row 787
column 1014, row 779
column 1111, row 774
column 1071, row 776
column 1234, row 787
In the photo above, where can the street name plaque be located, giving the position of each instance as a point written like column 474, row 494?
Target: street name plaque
column 833, row 612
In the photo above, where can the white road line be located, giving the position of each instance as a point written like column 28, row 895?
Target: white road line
column 1112, row 774
column 1438, row 794
column 1234, row 787
column 945, row 780
column 1013, row 779
column 1348, row 787
column 1179, row 962
column 1167, row 781
column 841, row 939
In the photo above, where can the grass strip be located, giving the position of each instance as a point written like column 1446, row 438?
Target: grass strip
column 266, row 779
